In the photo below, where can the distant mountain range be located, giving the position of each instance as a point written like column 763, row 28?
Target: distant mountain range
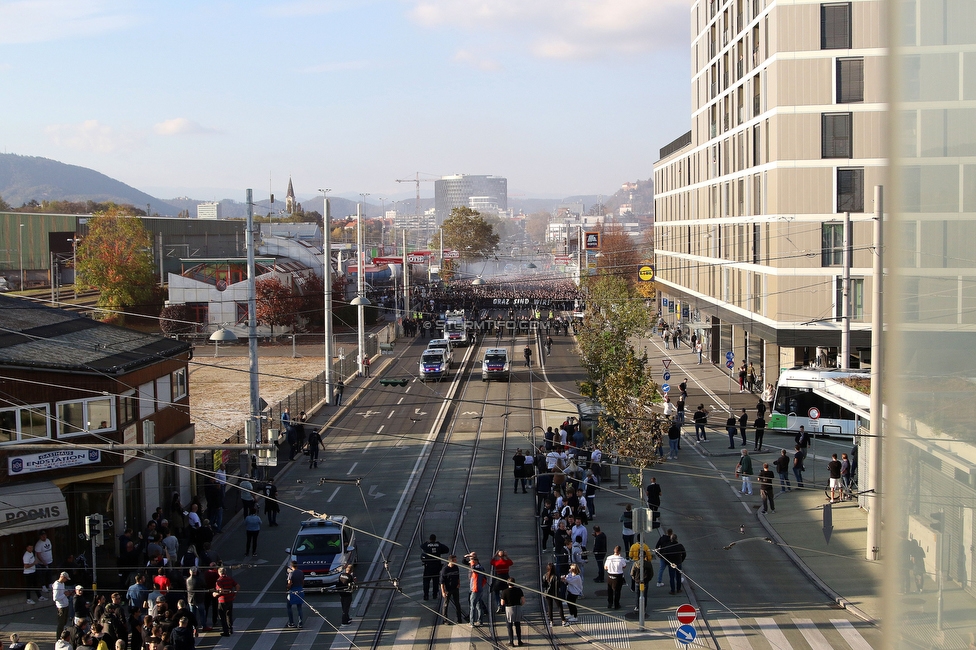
column 31, row 178
column 27, row 178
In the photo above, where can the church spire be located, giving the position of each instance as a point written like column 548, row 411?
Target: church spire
column 290, row 198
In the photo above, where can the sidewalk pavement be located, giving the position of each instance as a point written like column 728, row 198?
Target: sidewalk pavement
column 838, row 567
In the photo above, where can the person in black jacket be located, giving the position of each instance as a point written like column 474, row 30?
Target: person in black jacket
column 450, row 579
column 674, row 554
column 701, row 419
column 347, row 584
column 431, row 553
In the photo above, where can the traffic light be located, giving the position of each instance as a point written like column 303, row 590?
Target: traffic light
column 938, row 525
column 94, row 529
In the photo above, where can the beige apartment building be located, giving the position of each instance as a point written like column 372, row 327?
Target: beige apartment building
column 788, row 121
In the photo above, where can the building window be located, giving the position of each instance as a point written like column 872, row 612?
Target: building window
column 832, row 250
column 850, row 190
column 128, row 407
column 85, row 416
column 147, row 400
column 836, row 135
column 850, row 81
column 179, row 384
column 857, row 299
column 835, row 26
column 24, row 423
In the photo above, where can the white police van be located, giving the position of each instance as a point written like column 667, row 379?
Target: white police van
column 495, row 364
column 322, row 548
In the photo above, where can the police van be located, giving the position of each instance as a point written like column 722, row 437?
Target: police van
column 434, row 364
column 455, row 328
column 495, row 364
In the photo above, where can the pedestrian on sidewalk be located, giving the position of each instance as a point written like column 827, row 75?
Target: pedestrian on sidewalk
column 340, row 386
column 669, row 409
column 615, row 565
column 676, row 339
column 679, row 411
column 730, row 428
column 662, row 541
column 627, row 532
column 760, row 426
column 548, row 345
column 782, row 465
column 744, row 470
column 699, row 350
column 654, row 495
column 743, row 425
column 742, row 377
column 765, row 479
column 845, row 476
column 701, row 419
column 833, row 472
column 674, row 436
column 761, row 408
column 366, row 363
column 574, row 591
column 751, row 378
column 683, row 389
column 225, row 591
column 798, row 466
column 550, row 592
column 271, row 506
column 802, row 439
column 599, row 552
column 666, row 335
column 30, row 574
column 527, row 353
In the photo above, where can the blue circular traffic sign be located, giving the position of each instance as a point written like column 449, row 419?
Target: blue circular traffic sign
column 665, row 388
column 667, row 376
column 730, row 364
column 729, row 355
column 686, row 634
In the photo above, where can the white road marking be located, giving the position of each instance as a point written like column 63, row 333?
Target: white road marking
column 850, row 634
column 270, row 633
column 737, row 639
column 352, row 467
column 368, row 445
column 333, row 495
column 772, row 632
column 407, row 633
column 811, row 634
column 228, row 642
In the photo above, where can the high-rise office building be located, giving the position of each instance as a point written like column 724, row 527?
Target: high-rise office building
column 788, row 120
column 458, row 190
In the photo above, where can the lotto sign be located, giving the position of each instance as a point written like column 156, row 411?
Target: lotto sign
column 686, row 614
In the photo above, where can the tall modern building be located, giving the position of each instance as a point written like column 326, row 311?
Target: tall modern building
column 455, row 191
column 787, row 132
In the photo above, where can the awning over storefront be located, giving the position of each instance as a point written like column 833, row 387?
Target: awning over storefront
column 31, row 506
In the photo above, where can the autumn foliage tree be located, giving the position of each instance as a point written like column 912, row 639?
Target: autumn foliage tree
column 276, row 304
column 115, row 257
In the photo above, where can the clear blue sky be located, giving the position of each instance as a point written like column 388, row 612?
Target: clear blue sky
column 208, row 98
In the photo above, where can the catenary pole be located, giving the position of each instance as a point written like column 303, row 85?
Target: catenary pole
column 873, row 546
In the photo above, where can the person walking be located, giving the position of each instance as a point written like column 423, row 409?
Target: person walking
column 662, row 541
column 802, row 439
column 295, row 593
column 225, row 591
column 765, row 480
column 247, row 494
column 574, row 590
column 315, row 443
column 591, row 483
column 833, row 472
column 252, row 528
column 782, row 465
column 519, row 470
column 44, row 551
column 271, row 505
column 339, row 387
column 751, row 377
column 699, row 350
column 743, row 371
column 527, row 353
column 627, row 519
column 701, row 419
column 675, row 555
column 744, row 470
column 798, row 466
column 366, row 363
column 743, row 425
column 654, row 494
column 674, row 438
column 477, row 584
column 450, row 579
column 513, row 600
column 345, row 587
column 760, row 426
column 615, row 566
column 845, row 476
column 550, row 589
column 431, row 553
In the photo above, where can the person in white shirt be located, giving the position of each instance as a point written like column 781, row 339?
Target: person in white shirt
column 194, row 517
column 59, row 594
column 30, row 574
column 596, row 456
column 615, row 566
column 45, row 558
column 579, row 530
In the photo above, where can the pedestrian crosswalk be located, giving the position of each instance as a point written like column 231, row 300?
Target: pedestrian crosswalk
column 764, row 633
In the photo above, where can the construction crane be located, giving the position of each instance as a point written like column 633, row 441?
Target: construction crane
column 418, row 180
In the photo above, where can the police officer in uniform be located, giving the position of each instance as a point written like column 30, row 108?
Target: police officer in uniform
column 347, row 583
column 430, row 554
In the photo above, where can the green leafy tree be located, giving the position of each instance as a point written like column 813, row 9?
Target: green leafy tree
column 614, row 314
column 275, row 303
column 467, row 232
column 116, row 259
column 4, row 205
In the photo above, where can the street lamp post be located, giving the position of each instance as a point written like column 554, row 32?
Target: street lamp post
column 21, row 256
column 327, row 281
column 360, row 300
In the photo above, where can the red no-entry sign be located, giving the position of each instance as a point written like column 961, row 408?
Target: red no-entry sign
column 687, row 614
